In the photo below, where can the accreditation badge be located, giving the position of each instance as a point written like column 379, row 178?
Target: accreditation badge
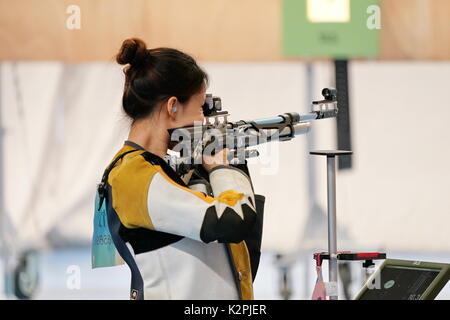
column 104, row 252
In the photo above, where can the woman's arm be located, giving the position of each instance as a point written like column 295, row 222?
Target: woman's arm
column 227, row 217
column 145, row 196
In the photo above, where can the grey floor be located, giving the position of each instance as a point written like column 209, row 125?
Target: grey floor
column 58, row 267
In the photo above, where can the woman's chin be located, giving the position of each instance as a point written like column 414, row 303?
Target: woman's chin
column 201, row 117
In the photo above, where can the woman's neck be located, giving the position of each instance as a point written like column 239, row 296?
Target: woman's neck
column 152, row 137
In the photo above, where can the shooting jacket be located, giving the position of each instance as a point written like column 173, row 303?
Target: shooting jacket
column 197, row 238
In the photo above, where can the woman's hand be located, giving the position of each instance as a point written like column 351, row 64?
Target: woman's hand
column 218, row 159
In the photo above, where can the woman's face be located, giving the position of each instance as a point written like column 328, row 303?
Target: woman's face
column 189, row 112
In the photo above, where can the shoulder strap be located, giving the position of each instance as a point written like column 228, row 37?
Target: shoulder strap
column 102, row 186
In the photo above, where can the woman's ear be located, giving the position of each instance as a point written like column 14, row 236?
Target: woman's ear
column 172, row 107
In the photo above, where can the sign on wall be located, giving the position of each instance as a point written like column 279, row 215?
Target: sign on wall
column 338, row 29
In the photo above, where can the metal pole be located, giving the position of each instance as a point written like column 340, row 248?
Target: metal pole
column 332, row 239
column 310, row 168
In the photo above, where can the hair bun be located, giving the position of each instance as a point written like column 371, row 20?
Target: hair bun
column 133, row 51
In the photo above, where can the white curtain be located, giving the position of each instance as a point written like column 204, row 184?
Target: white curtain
column 63, row 123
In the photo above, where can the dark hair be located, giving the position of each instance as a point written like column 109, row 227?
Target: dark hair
column 153, row 75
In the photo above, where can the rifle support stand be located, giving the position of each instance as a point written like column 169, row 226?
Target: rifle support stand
column 333, row 255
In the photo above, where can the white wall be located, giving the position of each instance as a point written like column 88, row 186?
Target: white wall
column 395, row 198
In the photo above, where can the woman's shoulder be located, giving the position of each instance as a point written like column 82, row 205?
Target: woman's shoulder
column 131, row 166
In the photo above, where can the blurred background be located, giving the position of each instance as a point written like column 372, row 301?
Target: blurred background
column 61, row 123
